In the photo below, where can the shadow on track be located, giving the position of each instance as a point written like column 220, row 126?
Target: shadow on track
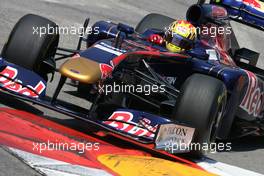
column 244, row 144
column 18, row 104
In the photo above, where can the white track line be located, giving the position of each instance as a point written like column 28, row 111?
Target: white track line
column 225, row 169
column 51, row 167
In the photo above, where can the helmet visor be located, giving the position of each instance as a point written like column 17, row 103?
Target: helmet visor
column 179, row 41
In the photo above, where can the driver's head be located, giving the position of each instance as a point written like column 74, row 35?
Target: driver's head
column 180, row 36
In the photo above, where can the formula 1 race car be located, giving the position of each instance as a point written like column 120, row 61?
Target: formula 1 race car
column 140, row 92
column 250, row 12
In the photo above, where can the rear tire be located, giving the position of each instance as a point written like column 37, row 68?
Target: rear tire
column 154, row 21
column 27, row 49
column 201, row 105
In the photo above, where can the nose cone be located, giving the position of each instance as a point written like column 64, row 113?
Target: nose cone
column 81, row 69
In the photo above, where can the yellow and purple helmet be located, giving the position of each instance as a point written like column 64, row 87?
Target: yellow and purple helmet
column 180, row 36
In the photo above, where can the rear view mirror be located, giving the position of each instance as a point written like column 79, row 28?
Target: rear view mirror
column 125, row 28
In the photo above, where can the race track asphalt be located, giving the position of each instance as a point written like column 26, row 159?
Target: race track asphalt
column 247, row 153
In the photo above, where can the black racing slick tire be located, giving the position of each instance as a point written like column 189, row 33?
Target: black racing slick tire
column 153, row 21
column 27, row 48
column 201, row 105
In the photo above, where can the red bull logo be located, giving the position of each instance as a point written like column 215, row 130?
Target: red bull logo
column 257, row 4
column 16, row 86
column 253, row 102
column 123, row 121
column 106, row 70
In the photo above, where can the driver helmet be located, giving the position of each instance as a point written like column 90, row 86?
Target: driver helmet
column 180, row 36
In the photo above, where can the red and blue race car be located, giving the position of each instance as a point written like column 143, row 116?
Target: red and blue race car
column 250, row 12
column 141, row 92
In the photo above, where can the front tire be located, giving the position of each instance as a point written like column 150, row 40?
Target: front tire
column 201, row 105
column 28, row 49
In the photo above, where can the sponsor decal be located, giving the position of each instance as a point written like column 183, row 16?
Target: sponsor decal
column 183, row 29
column 16, row 85
column 106, row 70
column 146, row 123
column 171, row 80
column 75, row 71
column 113, row 48
column 123, row 121
column 173, row 134
column 256, row 4
column 213, row 56
column 109, row 49
column 254, row 97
